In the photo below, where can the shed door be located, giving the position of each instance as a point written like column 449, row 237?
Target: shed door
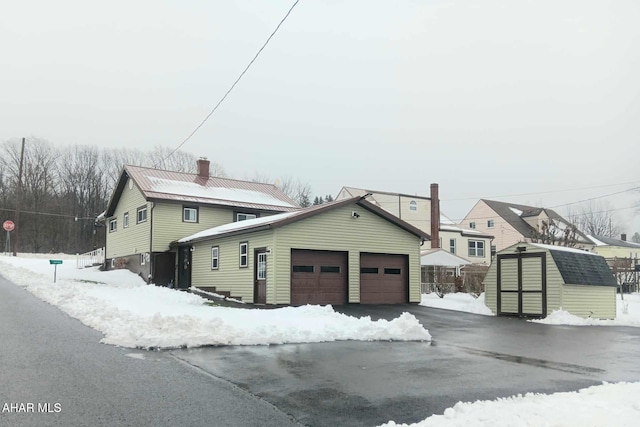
column 384, row 279
column 318, row 277
column 522, row 285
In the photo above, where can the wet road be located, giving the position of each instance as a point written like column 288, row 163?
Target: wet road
column 47, row 357
column 472, row 357
column 51, row 360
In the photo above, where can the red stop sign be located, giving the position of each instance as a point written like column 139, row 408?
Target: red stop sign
column 8, row 225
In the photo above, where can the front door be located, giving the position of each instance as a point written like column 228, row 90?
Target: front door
column 184, row 267
column 260, row 276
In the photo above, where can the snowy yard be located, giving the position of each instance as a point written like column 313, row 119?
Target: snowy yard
column 132, row 314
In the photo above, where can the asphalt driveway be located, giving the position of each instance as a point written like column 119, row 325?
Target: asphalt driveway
column 472, row 357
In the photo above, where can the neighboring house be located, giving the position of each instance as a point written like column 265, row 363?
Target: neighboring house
column 150, row 208
column 610, row 247
column 511, row 223
column 533, row 280
column 419, row 211
column 346, row 251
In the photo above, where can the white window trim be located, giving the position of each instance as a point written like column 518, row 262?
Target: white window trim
column 472, row 225
column 413, row 205
column 452, row 245
column 142, row 259
column 185, row 209
column 491, row 223
column 476, row 248
column 246, row 215
column 215, row 257
column 245, row 255
column 113, row 225
column 125, row 220
column 138, row 212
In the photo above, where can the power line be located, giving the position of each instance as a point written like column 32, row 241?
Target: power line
column 234, row 83
column 77, row 218
column 597, row 197
column 541, row 192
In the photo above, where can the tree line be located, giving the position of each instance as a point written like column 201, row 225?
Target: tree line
column 64, row 189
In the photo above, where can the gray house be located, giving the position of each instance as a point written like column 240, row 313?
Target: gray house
column 532, row 280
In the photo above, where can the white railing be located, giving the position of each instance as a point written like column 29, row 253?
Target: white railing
column 88, row 259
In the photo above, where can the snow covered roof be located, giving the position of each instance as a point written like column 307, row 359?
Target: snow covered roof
column 278, row 220
column 157, row 184
column 610, row 241
column 440, row 257
column 562, row 249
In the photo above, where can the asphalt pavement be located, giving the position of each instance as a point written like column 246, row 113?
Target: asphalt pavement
column 57, row 364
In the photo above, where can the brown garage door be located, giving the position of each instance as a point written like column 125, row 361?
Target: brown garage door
column 384, row 279
column 318, row 277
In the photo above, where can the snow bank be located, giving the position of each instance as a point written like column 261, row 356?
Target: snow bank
column 604, row 405
column 458, row 301
column 627, row 314
column 132, row 314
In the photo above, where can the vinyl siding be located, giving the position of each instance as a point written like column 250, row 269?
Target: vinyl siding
column 598, row 302
column 504, row 234
column 135, row 238
column 168, row 225
column 337, row 230
column 462, row 246
column 490, row 285
column 555, row 283
column 229, row 276
column 509, row 273
column 531, row 274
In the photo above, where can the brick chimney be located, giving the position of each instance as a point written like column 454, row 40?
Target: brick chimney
column 203, row 167
column 435, row 217
column 623, row 237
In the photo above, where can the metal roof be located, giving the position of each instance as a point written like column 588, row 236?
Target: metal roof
column 157, row 184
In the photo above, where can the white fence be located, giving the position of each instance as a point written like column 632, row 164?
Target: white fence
column 88, row 259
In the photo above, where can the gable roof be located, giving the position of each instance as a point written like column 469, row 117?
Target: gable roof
column 282, row 219
column 446, row 224
column 443, row 258
column 610, row 241
column 157, row 184
column 514, row 213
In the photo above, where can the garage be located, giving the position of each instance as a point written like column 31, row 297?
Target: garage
column 318, row 277
column 383, row 279
column 533, row 280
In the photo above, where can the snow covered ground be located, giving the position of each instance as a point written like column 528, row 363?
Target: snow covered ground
column 628, row 310
column 132, row 314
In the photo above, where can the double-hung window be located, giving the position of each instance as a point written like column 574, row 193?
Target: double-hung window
column 452, row 246
column 472, row 225
column 189, row 214
column 491, row 223
column 215, row 257
column 476, row 248
column 113, row 225
column 125, row 220
column 141, row 215
column 244, row 254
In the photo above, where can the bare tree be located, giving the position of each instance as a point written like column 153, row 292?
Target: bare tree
column 292, row 187
column 596, row 218
column 555, row 232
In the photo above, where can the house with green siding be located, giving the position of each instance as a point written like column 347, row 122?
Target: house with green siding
column 347, row 251
column 533, row 280
column 150, row 208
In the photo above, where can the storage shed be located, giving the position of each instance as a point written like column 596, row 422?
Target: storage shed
column 348, row 251
column 532, row 280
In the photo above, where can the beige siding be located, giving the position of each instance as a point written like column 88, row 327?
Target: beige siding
column 531, row 274
column 462, row 246
column 509, row 302
column 555, row 283
column 504, row 234
column 168, row 225
column 135, row 238
column 509, row 273
column 337, row 230
column 532, row 303
column 617, row 251
column 229, row 276
column 490, row 285
column 598, row 302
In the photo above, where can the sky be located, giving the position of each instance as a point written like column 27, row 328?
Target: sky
column 532, row 102
column 132, row 314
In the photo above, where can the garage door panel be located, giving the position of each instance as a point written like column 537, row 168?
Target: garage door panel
column 318, row 277
column 383, row 279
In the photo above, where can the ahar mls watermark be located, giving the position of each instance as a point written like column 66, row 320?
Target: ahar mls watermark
column 15, row 408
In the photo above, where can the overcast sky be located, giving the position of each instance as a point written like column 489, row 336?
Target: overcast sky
column 487, row 98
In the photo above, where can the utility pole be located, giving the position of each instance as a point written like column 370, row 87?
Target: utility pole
column 18, row 201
